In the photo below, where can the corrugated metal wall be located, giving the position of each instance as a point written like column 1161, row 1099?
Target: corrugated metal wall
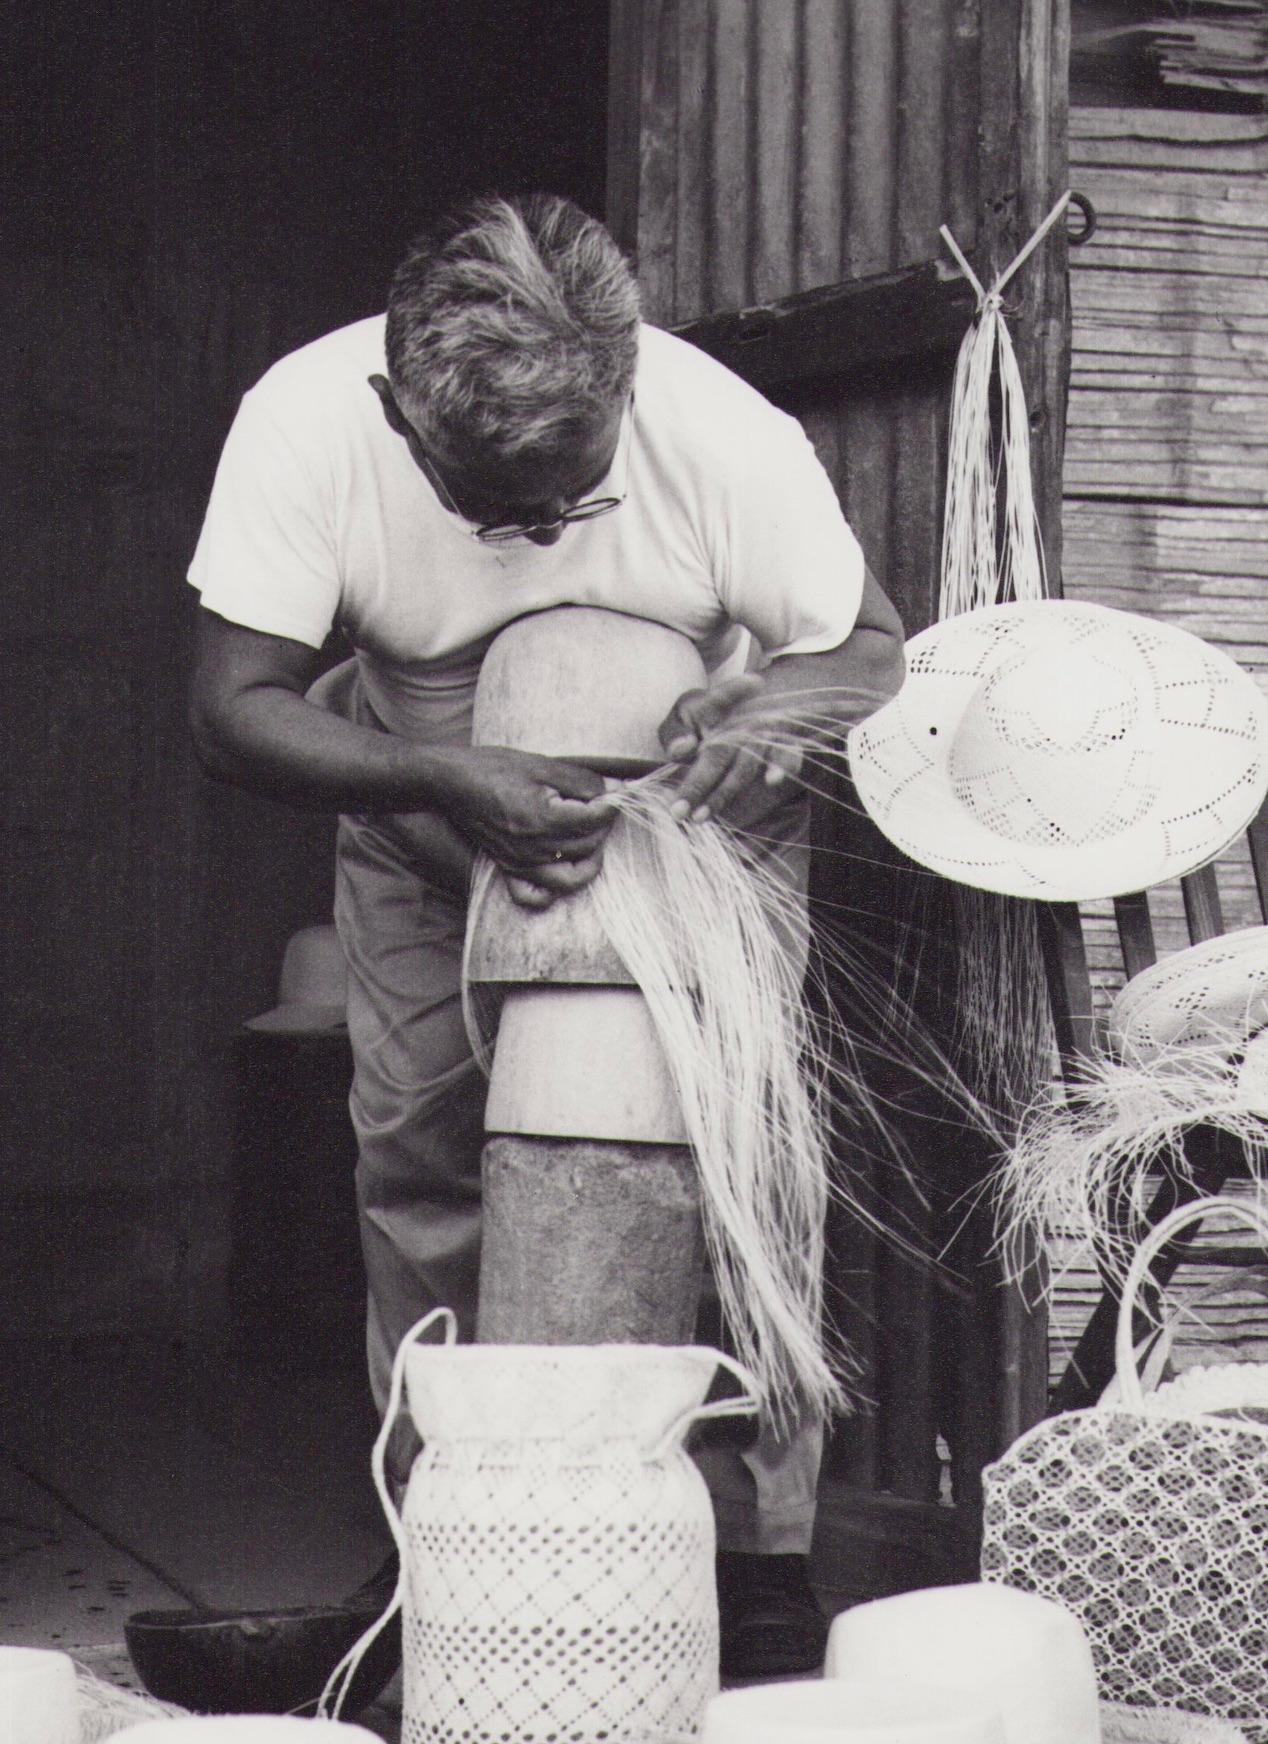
column 759, row 150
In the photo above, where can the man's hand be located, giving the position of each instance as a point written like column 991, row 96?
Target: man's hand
column 744, row 738
column 543, row 820
column 735, row 768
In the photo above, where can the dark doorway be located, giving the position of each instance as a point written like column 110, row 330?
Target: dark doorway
column 191, row 189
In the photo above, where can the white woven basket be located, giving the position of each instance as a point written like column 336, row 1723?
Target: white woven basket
column 1148, row 1519
column 557, row 1543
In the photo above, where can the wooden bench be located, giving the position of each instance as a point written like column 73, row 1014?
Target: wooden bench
column 1212, row 1158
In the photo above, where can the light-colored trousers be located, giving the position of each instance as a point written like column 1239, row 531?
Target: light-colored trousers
column 417, row 1109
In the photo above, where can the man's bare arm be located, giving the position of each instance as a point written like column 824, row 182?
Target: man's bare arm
column 252, row 726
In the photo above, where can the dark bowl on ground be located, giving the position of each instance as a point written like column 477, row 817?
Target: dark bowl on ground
column 258, row 1662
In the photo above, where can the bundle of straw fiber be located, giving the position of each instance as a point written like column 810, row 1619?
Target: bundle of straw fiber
column 1081, row 1168
column 1186, row 1047
column 714, row 936
column 1004, row 1028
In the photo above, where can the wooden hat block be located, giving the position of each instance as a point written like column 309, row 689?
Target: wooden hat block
column 582, row 1061
column 591, row 686
column 584, row 683
column 591, row 1230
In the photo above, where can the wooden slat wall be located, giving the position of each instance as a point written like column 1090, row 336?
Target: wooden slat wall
column 1166, row 479
column 761, row 150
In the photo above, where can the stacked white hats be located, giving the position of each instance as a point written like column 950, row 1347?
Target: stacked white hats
column 849, row 1711
column 39, row 1699
column 1026, row 1657
column 246, row 1729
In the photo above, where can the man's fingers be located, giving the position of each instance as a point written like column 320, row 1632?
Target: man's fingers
column 699, row 712
column 575, row 817
column 571, row 781
column 527, row 894
column 781, row 762
column 564, row 876
column 696, row 789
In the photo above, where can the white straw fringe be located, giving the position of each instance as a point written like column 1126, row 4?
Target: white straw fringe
column 1081, row 1169
column 106, row 1708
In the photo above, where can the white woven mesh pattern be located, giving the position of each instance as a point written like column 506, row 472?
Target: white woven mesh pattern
column 1154, row 1532
column 1064, row 749
column 556, row 1597
column 1211, row 993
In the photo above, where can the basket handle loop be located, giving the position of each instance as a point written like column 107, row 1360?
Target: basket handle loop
column 744, row 1404
column 1251, row 1213
column 340, row 1680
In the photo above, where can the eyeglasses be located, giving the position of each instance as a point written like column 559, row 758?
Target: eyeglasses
column 496, row 532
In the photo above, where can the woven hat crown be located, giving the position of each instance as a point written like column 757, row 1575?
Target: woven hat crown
column 1053, row 748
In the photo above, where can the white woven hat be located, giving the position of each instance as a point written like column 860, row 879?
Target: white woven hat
column 1212, row 994
column 1063, row 750
column 312, row 989
column 1024, row 1655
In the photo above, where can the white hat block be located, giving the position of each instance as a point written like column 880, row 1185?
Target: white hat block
column 849, row 1711
column 584, row 683
column 39, row 1697
column 582, row 1062
column 246, row 1729
column 1026, row 1655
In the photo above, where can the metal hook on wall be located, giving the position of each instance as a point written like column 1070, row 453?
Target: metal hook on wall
column 1076, row 238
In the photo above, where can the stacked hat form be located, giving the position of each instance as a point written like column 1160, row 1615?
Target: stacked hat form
column 246, row 1729
column 39, row 1701
column 850, row 1711
column 1063, row 750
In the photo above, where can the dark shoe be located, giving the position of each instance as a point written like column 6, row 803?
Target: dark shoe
column 771, row 1624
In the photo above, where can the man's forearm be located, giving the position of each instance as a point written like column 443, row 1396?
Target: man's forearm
column 272, row 741
column 836, row 688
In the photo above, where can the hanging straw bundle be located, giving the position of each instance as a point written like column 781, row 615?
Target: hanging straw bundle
column 715, row 940
column 992, row 552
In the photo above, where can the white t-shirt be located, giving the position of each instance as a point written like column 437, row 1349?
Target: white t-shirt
column 319, row 513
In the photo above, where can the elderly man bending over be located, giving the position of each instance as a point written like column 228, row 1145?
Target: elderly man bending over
column 511, row 437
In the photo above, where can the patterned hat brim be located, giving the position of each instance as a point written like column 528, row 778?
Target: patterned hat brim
column 1210, row 746
column 1212, row 994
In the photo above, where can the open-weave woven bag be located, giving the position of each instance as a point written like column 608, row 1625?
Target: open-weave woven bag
column 1148, row 1518
column 557, row 1543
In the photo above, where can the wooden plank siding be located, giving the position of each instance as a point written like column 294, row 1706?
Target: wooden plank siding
column 1166, row 488
column 1166, row 474
column 775, row 150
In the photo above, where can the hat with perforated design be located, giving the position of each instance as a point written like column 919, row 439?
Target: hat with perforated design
column 1213, row 994
column 1063, row 750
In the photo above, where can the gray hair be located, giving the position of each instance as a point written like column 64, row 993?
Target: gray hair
column 512, row 326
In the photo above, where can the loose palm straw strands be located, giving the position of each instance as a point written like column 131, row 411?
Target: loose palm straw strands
column 1005, row 1027
column 106, row 1708
column 1080, row 1170
column 703, row 924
